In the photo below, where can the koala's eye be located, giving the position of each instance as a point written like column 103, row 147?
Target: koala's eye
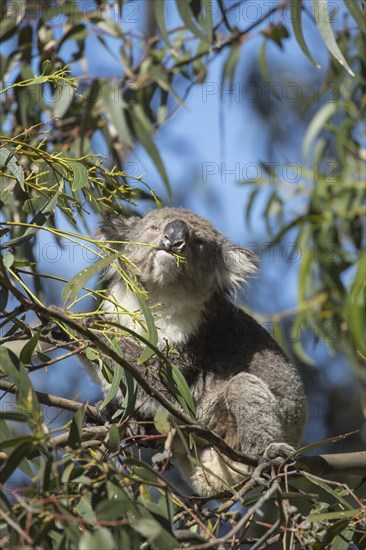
column 154, row 227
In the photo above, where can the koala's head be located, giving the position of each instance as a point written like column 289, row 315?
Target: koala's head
column 177, row 251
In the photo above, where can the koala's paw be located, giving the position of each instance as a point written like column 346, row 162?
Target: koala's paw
column 277, row 453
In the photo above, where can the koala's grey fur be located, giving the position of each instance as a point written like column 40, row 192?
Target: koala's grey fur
column 243, row 385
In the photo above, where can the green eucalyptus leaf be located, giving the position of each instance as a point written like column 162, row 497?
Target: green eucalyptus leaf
column 9, row 165
column 114, row 387
column 341, row 514
column 143, row 133
column 129, row 399
column 322, row 19
column 175, row 381
column 152, row 333
column 161, row 422
column 12, row 366
column 263, row 62
column 115, row 107
column 99, row 538
column 73, row 287
column 113, row 438
column 186, row 14
column 8, row 259
column 317, row 124
column 39, row 219
column 156, row 533
column 355, row 11
column 77, row 32
column 159, row 8
column 62, row 99
column 355, row 306
column 28, row 350
column 80, row 176
column 296, row 20
column 76, row 427
column 231, row 64
column 16, row 457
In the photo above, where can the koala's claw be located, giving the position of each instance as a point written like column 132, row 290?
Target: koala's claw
column 277, row 453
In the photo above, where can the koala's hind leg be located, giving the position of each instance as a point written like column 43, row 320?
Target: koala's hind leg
column 257, row 413
column 247, row 415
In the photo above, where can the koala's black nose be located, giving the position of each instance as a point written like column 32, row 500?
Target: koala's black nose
column 175, row 236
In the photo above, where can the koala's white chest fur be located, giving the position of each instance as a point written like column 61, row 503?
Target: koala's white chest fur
column 175, row 319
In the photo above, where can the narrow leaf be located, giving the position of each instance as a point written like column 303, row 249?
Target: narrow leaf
column 161, row 422
column 9, row 164
column 263, row 62
column 355, row 305
column 231, row 64
column 15, row 458
column 317, row 124
column 12, row 366
column 80, row 176
column 143, row 132
column 114, row 105
column 205, row 19
column 175, row 381
column 159, row 8
column 73, row 287
column 113, row 438
column 129, row 399
column 74, row 439
column 296, row 19
column 99, row 538
column 322, row 19
column 28, row 350
column 152, row 335
column 39, row 219
column 114, row 387
column 356, row 13
column 324, row 442
column 335, row 515
column 187, row 15
column 62, row 99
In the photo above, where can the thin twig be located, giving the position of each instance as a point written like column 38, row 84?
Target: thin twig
column 241, row 523
column 55, row 401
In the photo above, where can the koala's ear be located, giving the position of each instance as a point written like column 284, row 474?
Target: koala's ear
column 240, row 263
column 118, row 228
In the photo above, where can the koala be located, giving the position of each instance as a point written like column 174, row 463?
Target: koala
column 243, row 385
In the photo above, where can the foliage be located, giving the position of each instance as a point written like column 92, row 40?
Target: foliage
column 330, row 223
column 86, row 486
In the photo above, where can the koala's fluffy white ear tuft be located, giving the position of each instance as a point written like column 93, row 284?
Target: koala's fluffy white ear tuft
column 240, row 264
column 117, row 228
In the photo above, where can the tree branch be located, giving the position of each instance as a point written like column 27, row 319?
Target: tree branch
column 91, row 436
column 55, row 401
column 341, row 463
column 327, row 464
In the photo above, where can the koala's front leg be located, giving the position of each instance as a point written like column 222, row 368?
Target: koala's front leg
column 258, row 418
